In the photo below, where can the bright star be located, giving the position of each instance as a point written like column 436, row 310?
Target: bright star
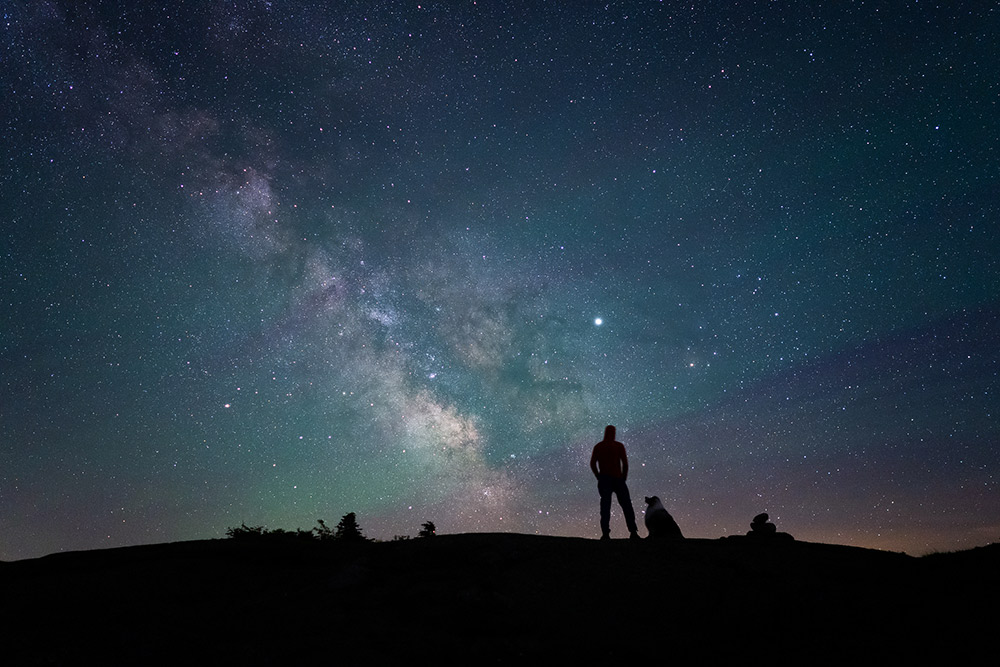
column 598, row 321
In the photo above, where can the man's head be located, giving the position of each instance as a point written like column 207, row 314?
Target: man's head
column 609, row 433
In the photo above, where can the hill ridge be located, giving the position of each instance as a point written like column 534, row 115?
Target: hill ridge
column 506, row 596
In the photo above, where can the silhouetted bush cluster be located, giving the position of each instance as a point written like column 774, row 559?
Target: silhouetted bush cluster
column 245, row 532
column 347, row 530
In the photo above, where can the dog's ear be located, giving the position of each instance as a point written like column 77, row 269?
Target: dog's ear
column 648, row 500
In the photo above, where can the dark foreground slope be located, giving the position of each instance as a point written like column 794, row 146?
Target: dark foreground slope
column 494, row 598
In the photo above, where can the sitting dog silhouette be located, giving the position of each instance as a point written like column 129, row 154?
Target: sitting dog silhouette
column 659, row 523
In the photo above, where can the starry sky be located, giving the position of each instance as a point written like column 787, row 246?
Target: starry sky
column 270, row 262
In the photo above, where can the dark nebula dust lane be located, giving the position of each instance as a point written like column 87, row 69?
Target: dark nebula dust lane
column 277, row 262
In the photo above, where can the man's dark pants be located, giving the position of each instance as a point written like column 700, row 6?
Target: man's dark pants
column 606, row 485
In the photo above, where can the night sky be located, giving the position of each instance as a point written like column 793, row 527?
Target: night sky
column 273, row 262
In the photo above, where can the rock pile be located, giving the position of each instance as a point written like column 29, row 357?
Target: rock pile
column 760, row 527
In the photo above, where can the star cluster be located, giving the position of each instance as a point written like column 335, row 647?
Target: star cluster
column 274, row 262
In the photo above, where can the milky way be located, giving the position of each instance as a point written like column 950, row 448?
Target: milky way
column 276, row 262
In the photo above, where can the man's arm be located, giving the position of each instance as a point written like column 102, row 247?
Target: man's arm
column 593, row 463
column 624, row 464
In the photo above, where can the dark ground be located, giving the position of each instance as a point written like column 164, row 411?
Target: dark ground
column 494, row 599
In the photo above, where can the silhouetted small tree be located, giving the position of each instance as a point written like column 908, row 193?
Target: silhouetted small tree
column 348, row 529
column 427, row 529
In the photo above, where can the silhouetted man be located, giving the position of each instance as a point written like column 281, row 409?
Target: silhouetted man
column 610, row 466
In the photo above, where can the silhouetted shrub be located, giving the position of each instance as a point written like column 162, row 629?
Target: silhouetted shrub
column 323, row 531
column 427, row 529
